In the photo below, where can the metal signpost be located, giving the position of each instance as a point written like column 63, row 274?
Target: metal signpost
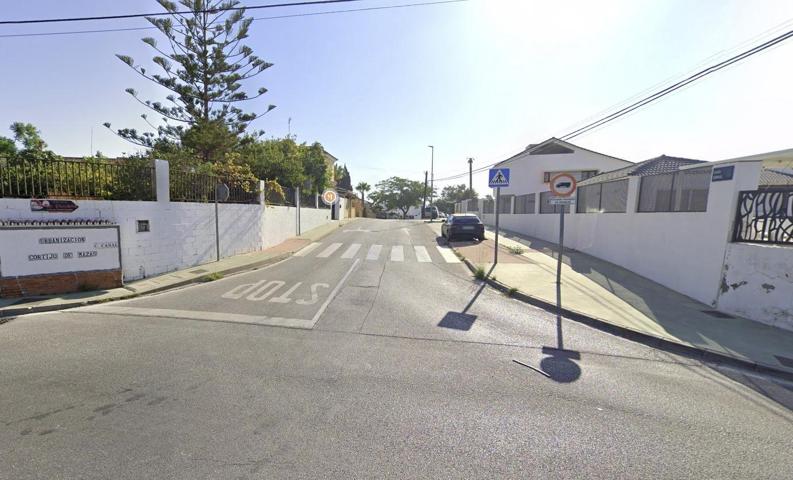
column 497, row 178
column 221, row 194
column 563, row 187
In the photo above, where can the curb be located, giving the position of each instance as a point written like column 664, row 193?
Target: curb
column 8, row 314
column 670, row 346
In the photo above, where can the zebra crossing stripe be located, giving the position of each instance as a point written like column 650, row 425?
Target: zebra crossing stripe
column 329, row 251
column 351, row 251
column 374, row 252
column 447, row 254
column 307, row 249
column 397, row 253
column 422, row 255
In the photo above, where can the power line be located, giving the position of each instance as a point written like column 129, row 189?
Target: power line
column 678, row 85
column 659, row 94
column 275, row 17
column 674, row 78
column 159, row 14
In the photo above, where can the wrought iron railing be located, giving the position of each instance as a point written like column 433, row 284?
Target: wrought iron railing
column 186, row 186
column 765, row 216
column 79, row 179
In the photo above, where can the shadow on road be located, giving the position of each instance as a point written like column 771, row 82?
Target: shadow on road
column 463, row 320
column 559, row 365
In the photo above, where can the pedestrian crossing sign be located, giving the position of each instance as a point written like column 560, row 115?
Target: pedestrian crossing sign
column 498, row 177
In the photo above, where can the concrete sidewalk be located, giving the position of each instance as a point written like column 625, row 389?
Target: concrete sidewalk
column 11, row 307
column 610, row 297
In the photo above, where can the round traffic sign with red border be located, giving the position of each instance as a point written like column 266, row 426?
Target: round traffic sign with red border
column 563, row 185
column 329, row 197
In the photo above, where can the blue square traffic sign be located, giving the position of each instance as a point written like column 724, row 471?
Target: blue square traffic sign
column 498, row 177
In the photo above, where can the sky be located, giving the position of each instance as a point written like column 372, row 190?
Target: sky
column 480, row 79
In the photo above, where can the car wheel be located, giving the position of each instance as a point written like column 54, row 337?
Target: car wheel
column 482, row 238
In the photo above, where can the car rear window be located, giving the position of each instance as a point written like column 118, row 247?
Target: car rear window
column 466, row 219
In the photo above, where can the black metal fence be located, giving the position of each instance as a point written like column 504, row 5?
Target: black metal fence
column 186, row 186
column 765, row 216
column 86, row 179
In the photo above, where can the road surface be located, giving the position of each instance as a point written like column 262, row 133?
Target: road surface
column 370, row 354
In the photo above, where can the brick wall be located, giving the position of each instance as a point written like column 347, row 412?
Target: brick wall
column 59, row 283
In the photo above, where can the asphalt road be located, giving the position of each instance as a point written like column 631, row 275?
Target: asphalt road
column 357, row 361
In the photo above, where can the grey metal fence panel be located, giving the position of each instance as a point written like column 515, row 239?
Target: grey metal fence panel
column 614, row 196
column 505, row 204
column 588, row 199
column 525, row 204
column 81, row 179
column 691, row 190
column 547, row 207
column 655, row 193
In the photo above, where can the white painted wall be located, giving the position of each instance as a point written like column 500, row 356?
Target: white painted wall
column 683, row 251
column 182, row 234
column 758, row 283
column 526, row 171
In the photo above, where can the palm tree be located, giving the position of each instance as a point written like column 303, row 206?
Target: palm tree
column 363, row 187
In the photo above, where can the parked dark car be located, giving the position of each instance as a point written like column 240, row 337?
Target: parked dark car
column 465, row 225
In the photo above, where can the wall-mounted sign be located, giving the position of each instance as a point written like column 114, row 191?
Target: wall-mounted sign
column 721, row 174
column 561, row 201
column 329, row 197
column 43, row 250
column 37, row 205
column 563, row 185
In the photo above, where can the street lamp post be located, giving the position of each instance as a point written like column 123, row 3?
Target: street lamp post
column 432, row 173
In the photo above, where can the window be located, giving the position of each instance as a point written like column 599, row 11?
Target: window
column 684, row 191
column 142, row 226
column 579, row 175
column 546, row 207
column 505, row 204
column 524, row 204
column 608, row 197
column 488, row 206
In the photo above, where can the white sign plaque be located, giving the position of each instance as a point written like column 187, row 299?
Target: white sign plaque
column 37, row 250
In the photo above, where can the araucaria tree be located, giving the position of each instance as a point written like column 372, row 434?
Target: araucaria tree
column 203, row 64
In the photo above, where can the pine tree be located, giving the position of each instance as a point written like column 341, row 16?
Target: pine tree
column 204, row 65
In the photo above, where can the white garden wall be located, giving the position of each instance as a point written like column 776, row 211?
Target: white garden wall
column 181, row 234
column 684, row 251
column 758, row 283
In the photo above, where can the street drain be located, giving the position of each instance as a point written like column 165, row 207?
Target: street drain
column 788, row 362
column 717, row 314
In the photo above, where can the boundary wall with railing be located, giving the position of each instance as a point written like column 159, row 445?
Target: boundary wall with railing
column 685, row 238
column 180, row 232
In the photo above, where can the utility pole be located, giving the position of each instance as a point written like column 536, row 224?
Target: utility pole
column 424, row 202
column 470, row 175
column 432, row 174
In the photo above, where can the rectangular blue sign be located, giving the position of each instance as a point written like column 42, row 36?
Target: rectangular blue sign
column 721, row 174
column 498, row 177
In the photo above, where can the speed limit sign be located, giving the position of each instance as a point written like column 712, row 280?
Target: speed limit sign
column 329, row 197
